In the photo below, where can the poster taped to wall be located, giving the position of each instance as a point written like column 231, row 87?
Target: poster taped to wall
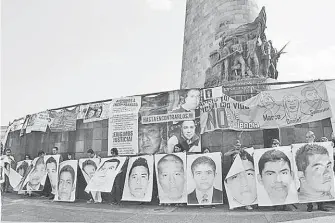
column 38, row 122
column 275, row 176
column 139, row 179
column 171, row 177
column 97, row 112
column 67, row 181
column 103, row 178
column 123, row 125
column 314, row 169
column 63, row 120
column 204, row 179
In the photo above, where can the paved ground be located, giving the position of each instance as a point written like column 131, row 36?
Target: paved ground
column 17, row 208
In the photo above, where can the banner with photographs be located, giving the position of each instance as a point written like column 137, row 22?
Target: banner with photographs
column 275, row 176
column 97, row 112
column 81, row 111
column 17, row 124
column 289, row 106
column 38, row 122
column 123, row 125
column 52, row 164
column 67, row 181
column 103, row 178
column 63, row 120
column 171, row 177
column 139, row 179
column 204, row 179
column 35, row 179
column 240, row 182
column 313, row 163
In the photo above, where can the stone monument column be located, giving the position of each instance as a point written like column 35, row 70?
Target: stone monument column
column 207, row 21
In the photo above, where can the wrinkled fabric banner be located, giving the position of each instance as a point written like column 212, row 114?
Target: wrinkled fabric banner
column 38, row 122
column 97, row 112
column 63, row 120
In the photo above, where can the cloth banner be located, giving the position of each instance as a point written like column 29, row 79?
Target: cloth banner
column 66, row 190
column 313, row 165
column 103, row 178
column 204, row 179
column 63, row 120
column 38, row 122
column 275, row 176
column 17, row 124
column 171, row 177
column 52, row 164
column 139, row 179
column 240, row 182
column 36, row 175
column 97, row 112
column 289, row 106
column 123, row 125
column 81, row 111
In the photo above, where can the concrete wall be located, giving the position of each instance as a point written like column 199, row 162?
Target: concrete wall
column 205, row 19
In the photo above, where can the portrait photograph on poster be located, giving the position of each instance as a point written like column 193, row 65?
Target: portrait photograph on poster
column 52, row 164
column 104, row 176
column 240, row 182
column 88, row 166
column 171, row 177
column 35, row 179
column 22, row 167
column 204, row 179
column 67, row 181
column 275, row 176
column 186, row 101
column 314, row 168
column 139, row 179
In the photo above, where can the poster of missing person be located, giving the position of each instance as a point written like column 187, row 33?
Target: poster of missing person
column 67, row 181
column 139, row 179
column 35, row 178
column 2, row 172
column 204, row 179
column 63, row 120
column 123, row 125
column 97, row 112
column 240, row 182
column 22, row 167
column 314, row 169
column 88, row 166
column 171, row 177
column 52, row 164
column 38, row 122
column 275, row 176
column 104, row 176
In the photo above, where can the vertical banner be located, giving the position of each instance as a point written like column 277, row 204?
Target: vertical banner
column 275, row 176
column 204, row 179
column 63, row 120
column 97, row 112
column 35, row 179
column 314, row 169
column 103, row 178
column 139, row 179
column 240, row 182
column 38, row 122
column 67, row 180
column 52, row 164
column 171, row 177
column 184, row 134
column 123, row 125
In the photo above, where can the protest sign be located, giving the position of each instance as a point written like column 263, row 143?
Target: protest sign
column 2, row 172
column 123, row 125
column 22, row 167
column 171, row 177
column 240, row 182
column 35, row 179
column 275, row 176
column 88, row 167
column 97, row 112
column 139, row 179
column 66, row 190
column 52, row 164
column 204, row 179
column 313, row 163
column 63, row 120
column 103, row 178
column 38, row 122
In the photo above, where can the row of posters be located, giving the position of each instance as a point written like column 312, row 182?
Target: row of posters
column 301, row 173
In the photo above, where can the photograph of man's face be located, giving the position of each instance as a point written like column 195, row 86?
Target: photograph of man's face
column 52, row 172
column 188, row 129
column 106, row 173
column 150, row 138
column 98, row 112
column 89, row 169
column 203, row 175
column 66, row 183
column 243, row 185
column 192, row 99
column 138, row 181
column 171, row 176
column 37, row 174
column 90, row 113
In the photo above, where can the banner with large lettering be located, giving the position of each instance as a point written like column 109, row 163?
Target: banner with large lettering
column 97, row 112
column 38, row 122
column 123, row 125
column 63, row 120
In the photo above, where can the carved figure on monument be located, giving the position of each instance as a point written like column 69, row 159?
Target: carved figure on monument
column 252, row 58
column 265, row 55
column 238, row 67
column 225, row 57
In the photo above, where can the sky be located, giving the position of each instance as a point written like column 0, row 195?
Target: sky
column 65, row 52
